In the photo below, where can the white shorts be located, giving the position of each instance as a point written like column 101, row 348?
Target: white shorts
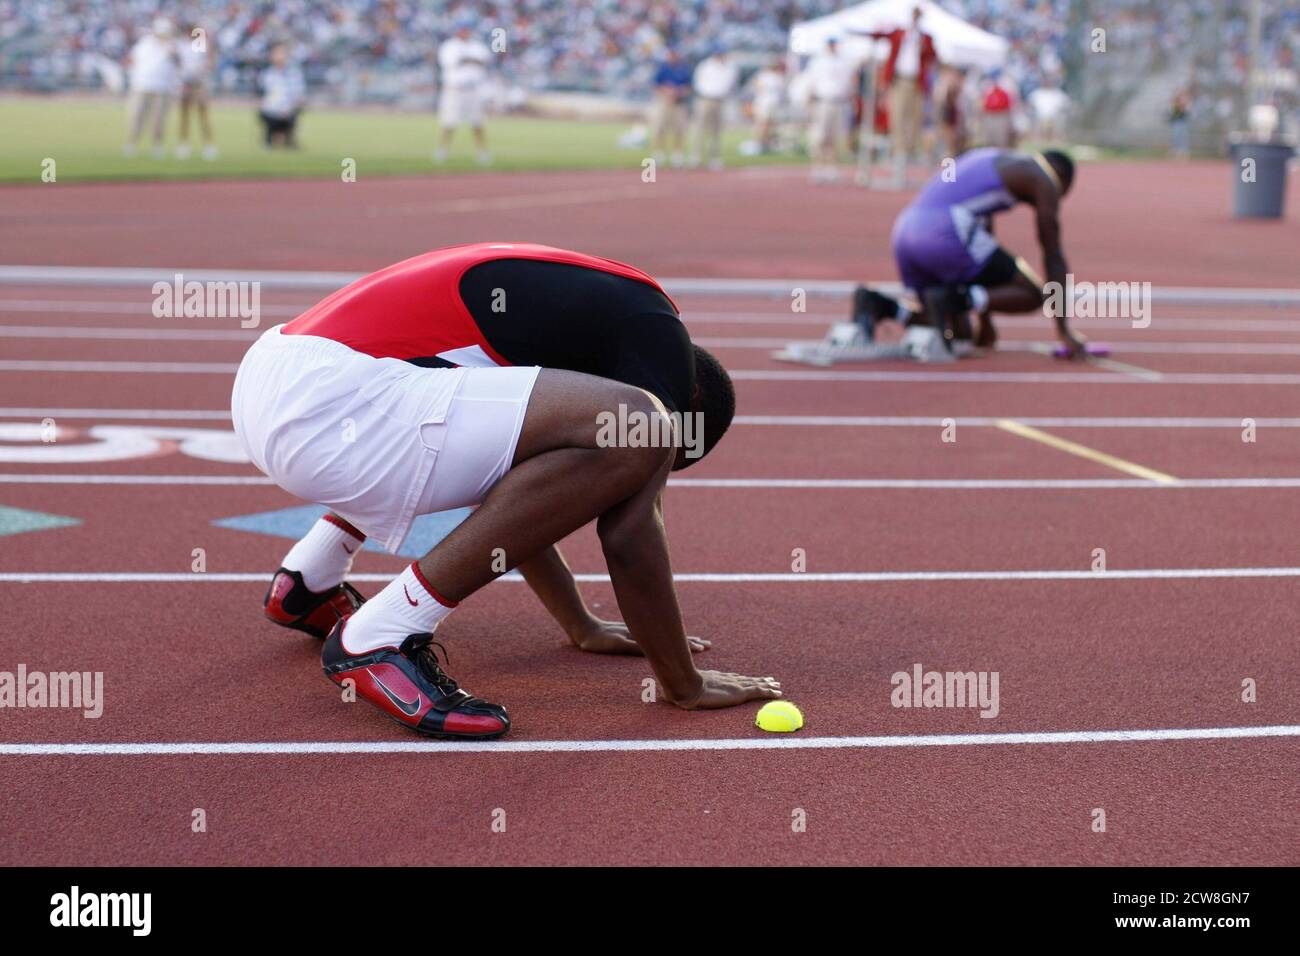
column 457, row 107
column 379, row 441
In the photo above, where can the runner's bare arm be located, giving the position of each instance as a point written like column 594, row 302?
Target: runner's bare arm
column 1047, row 207
column 549, row 576
column 635, row 545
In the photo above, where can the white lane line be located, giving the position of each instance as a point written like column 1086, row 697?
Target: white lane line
column 301, row 748
column 839, row 288
column 1168, row 348
column 916, row 421
column 148, row 414
column 147, row 368
column 70, row 479
column 99, row 307
column 750, row 342
column 767, row 316
column 127, row 334
column 844, row 421
column 701, row 577
column 751, row 375
column 978, row 484
column 759, row 343
column 1035, row 378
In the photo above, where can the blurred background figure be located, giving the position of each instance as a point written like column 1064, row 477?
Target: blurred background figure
column 832, row 81
column 952, row 112
column 672, row 86
column 197, row 56
column 153, row 79
column 714, row 82
column 767, row 87
column 601, row 58
column 1180, row 109
column 462, row 63
column 997, row 119
column 873, row 133
column 283, row 95
column 1050, row 109
column 908, row 71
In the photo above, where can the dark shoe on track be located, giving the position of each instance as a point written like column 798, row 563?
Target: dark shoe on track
column 410, row 687
column 289, row 603
column 947, row 308
column 871, row 307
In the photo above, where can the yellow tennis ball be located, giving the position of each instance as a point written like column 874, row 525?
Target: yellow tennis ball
column 779, row 717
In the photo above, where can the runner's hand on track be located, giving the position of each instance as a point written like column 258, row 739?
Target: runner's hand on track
column 1076, row 344
column 612, row 637
column 725, row 689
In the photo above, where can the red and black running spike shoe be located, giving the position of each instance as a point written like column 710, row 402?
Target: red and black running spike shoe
column 289, row 603
column 410, row 687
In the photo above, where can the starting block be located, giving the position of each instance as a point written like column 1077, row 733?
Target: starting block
column 845, row 342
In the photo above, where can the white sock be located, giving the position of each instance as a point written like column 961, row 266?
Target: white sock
column 324, row 556
column 979, row 298
column 408, row 605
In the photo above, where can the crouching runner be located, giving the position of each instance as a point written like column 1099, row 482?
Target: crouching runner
column 484, row 375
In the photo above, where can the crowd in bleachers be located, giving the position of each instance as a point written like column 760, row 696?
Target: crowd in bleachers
column 384, row 50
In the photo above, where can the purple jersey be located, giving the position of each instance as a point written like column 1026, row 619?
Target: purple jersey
column 943, row 235
column 973, row 184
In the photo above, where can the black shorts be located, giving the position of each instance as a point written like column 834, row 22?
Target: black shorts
column 1000, row 269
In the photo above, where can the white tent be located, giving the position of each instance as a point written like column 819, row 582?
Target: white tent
column 955, row 40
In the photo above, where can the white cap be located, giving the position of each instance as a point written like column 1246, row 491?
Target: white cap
column 163, row 27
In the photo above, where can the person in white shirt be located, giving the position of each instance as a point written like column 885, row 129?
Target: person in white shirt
column 153, row 79
column 832, row 80
column 768, row 89
column 1051, row 107
column 284, row 92
column 714, row 82
column 462, row 62
column 196, row 53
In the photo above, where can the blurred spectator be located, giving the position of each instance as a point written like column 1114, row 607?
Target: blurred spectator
column 463, row 62
column 908, row 70
column 952, row 109
column 283, row 96
column 1050, row 107
column 767, row 87
column 997, row 124
column 379, row 50
column 714, row 82
column 672, row 85
column 1179, row 115
column 197, row 57
column 832, row 79
column 153, row 79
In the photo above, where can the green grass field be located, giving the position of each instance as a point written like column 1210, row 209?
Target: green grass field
column 84, row 137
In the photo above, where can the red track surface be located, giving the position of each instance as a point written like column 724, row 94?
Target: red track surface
column 191, row 660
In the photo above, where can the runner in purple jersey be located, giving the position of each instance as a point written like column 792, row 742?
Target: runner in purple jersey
column 949, row 260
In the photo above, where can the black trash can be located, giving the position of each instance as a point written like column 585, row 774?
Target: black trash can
column 1259, row 186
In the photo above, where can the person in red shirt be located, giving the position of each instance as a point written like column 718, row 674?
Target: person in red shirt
column 997, row 119
column 908, row 70
column 546, row 387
